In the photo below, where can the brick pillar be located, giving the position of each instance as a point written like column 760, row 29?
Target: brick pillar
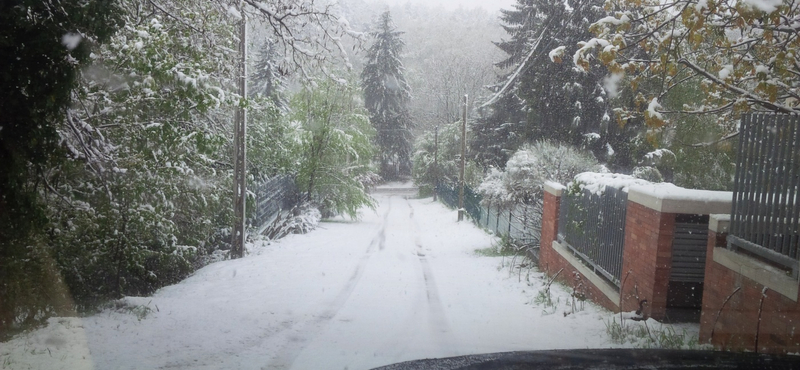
column 550, row 210
column 647, row 259
column 747, row 301
column 712, row 294
column 649, row 234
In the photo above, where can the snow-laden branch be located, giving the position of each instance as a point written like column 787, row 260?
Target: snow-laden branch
column 738, row 90
column 308, row 33
column 523, row 65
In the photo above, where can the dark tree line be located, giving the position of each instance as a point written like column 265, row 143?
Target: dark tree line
column 542, row 96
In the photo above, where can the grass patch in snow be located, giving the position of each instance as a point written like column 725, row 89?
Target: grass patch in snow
column 127, row 305
column 504, row 248
column 494, row 252
column 650, row 334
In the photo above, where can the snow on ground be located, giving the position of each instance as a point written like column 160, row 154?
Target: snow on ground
column 403, row 283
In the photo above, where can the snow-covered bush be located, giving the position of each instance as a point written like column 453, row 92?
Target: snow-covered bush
column 300, row 220
column 529, row 168
column 647, row 173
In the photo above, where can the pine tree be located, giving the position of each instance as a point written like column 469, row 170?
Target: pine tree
column 556, row 101
column 267, row 77
column 387, row 96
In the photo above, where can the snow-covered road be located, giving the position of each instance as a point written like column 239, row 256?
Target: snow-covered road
column 402, row 283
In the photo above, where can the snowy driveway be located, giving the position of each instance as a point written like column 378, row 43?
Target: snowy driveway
column 403, row 283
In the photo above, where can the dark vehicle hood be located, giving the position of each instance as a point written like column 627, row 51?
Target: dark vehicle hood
column 605, row 359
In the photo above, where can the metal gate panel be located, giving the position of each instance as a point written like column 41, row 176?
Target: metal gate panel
column 689, row 250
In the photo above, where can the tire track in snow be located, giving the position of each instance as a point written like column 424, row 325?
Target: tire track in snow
column 437, row 320
column 306, row 332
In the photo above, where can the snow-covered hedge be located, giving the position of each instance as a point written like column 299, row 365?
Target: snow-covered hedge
column 597, row 182
column 528, row 169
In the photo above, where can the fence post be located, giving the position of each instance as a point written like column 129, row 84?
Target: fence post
column 510, row 217
column 548, row 258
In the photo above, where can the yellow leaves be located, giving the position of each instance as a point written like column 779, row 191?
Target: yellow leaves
column 775, row 18
column 711, row 6
column 740, row 106
column 699, row 23
column 654, row 121
column 597, row 29
column 769, row 90
column 621, row 116
column 772, row 93
column 583, row 64
column 768, row 35
column 619, row 41
column 672, row 69
column 615, row 68
column 607, row 56
column 652, row 118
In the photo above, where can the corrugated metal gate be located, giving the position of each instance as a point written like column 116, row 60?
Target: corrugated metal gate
column 689, row 249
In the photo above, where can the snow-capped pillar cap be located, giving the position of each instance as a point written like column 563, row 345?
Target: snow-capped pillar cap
column 554, row 188
column 719, row 223
column 668, row 198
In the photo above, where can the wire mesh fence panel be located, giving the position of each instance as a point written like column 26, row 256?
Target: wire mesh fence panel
column 526, row 223
column 521, row 223
column 273, row 196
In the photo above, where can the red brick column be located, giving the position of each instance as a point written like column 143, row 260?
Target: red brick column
column 550, row 211
column 647, row 259
column 713, row 292
column 737, row 285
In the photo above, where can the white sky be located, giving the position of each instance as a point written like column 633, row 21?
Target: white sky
column 491, row 5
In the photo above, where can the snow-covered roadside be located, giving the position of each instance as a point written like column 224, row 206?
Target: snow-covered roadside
column 403, row 283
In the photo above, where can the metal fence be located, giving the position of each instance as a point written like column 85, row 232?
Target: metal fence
column 522, row 223
column 593, row 226
column 766, row 213
column 273, row 196
column 472, row 200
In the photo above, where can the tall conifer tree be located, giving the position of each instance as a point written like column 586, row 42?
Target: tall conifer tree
column 386, row 96
column 543, row 98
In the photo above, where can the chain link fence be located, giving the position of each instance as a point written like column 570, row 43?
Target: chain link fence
column 274, row 196
column 522, row 223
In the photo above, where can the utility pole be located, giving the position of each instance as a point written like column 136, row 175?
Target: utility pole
column 463, row 161
column 435, row 162
column 240, row 149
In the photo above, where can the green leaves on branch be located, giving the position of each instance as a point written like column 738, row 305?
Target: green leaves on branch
column 335, row 149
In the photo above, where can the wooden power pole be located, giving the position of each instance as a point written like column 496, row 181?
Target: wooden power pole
column 463, row 162
column 240, row 150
